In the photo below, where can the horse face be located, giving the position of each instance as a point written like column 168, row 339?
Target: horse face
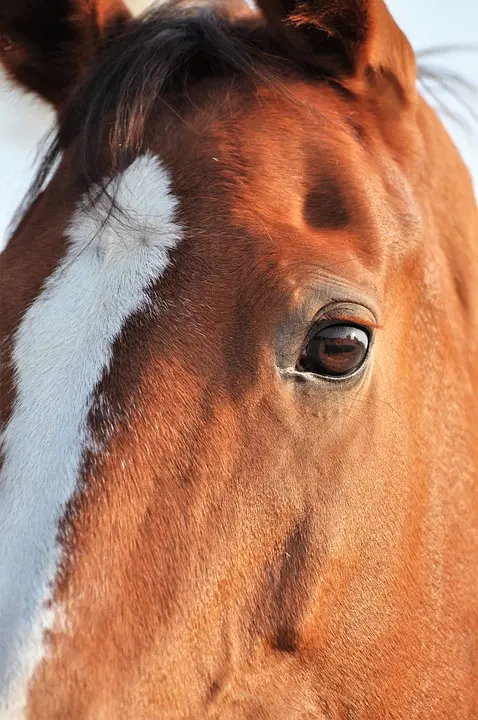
column 238, row 400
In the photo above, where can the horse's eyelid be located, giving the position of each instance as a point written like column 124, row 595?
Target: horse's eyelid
column 369, row 324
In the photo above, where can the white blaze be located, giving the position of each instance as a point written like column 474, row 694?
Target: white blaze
column 61, row 349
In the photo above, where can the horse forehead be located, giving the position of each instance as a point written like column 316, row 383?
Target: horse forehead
column 295, row 154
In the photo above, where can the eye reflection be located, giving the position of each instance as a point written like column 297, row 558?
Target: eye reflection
column 335, row 351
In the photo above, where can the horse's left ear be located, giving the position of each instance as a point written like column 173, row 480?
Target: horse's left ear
column 47, row 45
column 354, row 39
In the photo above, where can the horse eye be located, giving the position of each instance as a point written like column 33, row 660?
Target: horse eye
column 335, row 351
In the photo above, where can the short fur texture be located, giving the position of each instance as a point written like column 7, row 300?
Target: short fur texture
column 246, row 540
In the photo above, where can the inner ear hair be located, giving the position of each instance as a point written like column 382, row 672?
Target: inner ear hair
column 348, row 39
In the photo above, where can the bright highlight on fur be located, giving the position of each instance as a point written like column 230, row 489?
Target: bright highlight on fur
column 65, row 341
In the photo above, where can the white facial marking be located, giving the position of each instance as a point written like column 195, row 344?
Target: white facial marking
column 61, row 349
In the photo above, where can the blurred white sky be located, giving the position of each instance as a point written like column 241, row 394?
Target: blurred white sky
column 24, row 120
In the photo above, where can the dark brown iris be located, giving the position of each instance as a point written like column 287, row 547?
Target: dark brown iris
column 335, row 351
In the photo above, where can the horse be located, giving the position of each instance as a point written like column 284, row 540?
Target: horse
column 239, row 336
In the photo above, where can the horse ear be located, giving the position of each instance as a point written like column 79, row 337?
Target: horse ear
column 46, row 46
column 344, row 38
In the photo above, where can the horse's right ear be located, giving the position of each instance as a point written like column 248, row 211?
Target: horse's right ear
column 354, row 40
column 47, row 45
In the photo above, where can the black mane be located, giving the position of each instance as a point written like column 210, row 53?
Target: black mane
column 161, row 54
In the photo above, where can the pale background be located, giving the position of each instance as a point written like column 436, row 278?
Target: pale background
column 23, row 120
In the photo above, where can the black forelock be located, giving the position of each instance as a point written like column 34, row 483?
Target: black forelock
column 159, row 55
